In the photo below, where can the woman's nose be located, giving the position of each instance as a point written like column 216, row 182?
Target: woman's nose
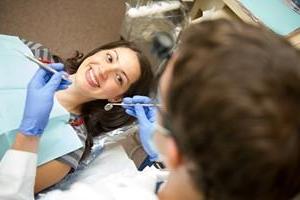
column 105, row 71
column 103, row 75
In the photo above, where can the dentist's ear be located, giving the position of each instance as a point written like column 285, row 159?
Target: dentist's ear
column 173, row 158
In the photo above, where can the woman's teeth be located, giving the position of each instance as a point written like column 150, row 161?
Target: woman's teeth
column 91, row 78
column 92, row 75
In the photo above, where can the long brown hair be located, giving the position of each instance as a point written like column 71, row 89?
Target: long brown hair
column 96, row 119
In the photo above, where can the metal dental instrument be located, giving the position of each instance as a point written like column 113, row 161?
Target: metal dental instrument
column 43, row 65
column 109, row 106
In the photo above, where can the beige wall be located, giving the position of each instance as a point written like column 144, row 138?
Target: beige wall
column 63, row 25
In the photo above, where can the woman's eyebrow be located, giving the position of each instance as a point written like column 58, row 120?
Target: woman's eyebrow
column 117, row 55
column 117, row 58
column 125, row 76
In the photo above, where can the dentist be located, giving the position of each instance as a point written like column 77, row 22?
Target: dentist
column 18, row 166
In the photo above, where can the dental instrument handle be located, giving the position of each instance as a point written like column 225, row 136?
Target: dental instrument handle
column 45, row 66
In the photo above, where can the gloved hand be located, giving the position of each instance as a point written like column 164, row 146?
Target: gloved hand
column 39, row 99
column 146, row 117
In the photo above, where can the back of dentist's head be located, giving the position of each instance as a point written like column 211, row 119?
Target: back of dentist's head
column 235, row 107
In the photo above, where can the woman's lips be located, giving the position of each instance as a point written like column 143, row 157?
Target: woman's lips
column 91, row 78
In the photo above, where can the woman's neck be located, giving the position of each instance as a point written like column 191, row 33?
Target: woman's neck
column 72, row 98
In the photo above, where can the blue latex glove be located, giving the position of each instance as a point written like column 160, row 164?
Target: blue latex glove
column 146, row 117
column 39, row 99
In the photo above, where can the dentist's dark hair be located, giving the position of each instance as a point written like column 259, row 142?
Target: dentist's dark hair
column 234, row 106
column 96, row 119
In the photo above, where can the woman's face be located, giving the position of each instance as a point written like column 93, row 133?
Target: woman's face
column 108, row 74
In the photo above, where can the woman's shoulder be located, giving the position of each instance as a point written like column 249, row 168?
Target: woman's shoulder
column 39, row 51
column 77, row 122
column 72, row 159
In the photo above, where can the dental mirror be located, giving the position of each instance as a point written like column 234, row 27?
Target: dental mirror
column 109, row 106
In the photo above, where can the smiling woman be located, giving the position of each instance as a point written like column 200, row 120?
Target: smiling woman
column 106, row 74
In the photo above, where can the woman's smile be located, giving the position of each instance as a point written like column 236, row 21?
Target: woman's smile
column 92, row 78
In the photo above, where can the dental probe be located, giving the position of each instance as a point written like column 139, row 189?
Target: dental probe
column 109, row 106
column 43, row 65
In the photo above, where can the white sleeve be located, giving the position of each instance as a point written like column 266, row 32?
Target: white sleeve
column 17, row 175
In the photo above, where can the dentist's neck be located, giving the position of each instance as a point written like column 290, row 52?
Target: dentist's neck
column 72, row 98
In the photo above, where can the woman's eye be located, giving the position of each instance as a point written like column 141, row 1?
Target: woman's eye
column 109, row 58
column 119, row 79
